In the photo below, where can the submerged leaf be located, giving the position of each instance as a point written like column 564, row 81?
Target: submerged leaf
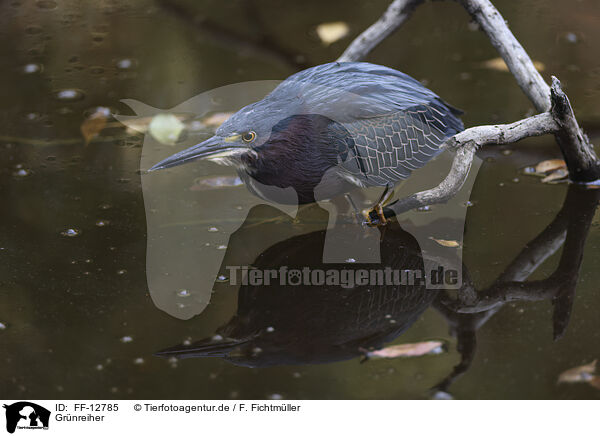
column 209, row 183
column 331, row 32
column 407, row 350
column 142, row 124
column 498, row 64
column 595, row 382
column 551, row 171
column 442, row 395
column 583, row 373
column 216, row 119
column 559, row 174
column 93, row 125
column 446, row 242
column 137, row 125
column 550, row 165
column 166, row 128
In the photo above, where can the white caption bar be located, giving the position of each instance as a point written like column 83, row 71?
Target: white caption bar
column 297, row 417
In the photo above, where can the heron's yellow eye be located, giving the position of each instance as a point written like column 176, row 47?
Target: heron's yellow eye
column 249, row 136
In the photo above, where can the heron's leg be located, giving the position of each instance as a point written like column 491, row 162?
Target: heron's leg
column 358, row 217
column 375, row 216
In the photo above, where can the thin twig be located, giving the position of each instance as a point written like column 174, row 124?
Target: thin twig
column 447, row 189
column 395, row 15
column 64, row 141
column 263, row 46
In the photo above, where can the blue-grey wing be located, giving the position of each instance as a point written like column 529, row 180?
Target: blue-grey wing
column 386, row 149
column 347, row 91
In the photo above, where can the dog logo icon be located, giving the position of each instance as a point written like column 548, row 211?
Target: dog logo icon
column 26, row 415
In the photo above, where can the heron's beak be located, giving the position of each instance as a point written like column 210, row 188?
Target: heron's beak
column 214, row 147
column 203, row 348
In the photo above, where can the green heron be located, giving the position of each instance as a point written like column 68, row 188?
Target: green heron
column 329, row 129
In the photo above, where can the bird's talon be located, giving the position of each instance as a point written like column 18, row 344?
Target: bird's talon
column 374, row 217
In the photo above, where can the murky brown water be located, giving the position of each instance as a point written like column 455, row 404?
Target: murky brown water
column 77, row 320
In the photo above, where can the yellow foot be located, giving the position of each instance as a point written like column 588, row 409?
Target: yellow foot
column 375, row 216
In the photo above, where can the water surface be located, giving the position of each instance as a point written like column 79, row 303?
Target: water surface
column 78, row 319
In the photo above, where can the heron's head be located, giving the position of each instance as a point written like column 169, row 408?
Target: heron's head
column 235, row 142
column 275, row 144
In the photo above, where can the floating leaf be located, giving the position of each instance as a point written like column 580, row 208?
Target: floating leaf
column 556, row 175
column 551, row 171
column 331, row 32
column 216, row 119
column 209, row 183
column 93, row 125
column 446, row 242
column 166, row 128
column 407, row 350
column 583, row 373
column 550, row 165
column 498, row 64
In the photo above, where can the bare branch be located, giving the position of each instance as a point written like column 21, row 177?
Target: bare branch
column 579, row 154
column 536, row 125
column 395, row 15
column 466, row 143
column 581, row 159
column 447, row 189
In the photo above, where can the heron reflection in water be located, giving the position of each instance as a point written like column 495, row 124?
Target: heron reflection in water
column 298, row 325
